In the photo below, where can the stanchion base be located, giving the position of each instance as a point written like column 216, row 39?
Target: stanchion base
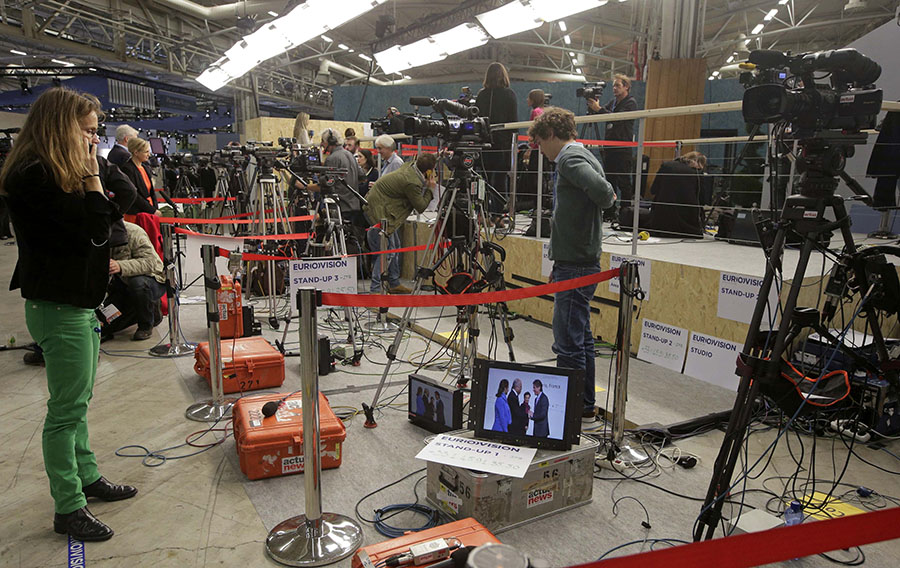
column 209, row 410
column 173, row 350
column 626, row 457
column 298, row 542
column 381, row 327
column 884, row 235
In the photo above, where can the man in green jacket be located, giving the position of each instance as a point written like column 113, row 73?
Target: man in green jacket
column 393, row 198
column 582, row 193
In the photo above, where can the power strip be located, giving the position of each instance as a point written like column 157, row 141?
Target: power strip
column 839, row 426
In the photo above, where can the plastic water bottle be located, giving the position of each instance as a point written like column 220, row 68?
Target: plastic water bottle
column 793, row 515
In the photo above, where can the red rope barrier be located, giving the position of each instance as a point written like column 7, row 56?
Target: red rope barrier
column 280, row 237
column 766, row 547
column 200, row 200
column 382, row 301
column 227, row 221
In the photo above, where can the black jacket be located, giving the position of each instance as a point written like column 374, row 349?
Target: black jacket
column 676, row 210
column 140, row 205
column 499, row 105
column 118, row 155
column 622, row 130
column 63, row 239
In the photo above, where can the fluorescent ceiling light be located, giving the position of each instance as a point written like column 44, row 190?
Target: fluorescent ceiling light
column 273, row 14
column 552, row 10
column 710, row 78
column 58, row 62
column 759, row 27
column 423, row 52
column 509, row 20
column 342, row 46
column 572, row 54
column 17, row 52
column 461, row 38
column 578, row 72
column 567, row 39
column 407, row 77
column 366, row 57
column 213, row 78
column 392, row 60
column 51, row 32
column 715, row 73
column 562, row 25
column 783, row 2
column 326, row 38
column 772, row 13
column 730, row 59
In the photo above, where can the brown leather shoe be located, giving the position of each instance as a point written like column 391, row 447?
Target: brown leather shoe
column 400, row 289
column 105, row 491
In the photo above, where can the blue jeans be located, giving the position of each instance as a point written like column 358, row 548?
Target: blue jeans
column 573, row 342
column 373, row 235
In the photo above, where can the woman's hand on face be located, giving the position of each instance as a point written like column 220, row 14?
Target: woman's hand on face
column 93, row 167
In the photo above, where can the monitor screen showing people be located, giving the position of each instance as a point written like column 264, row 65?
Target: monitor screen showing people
column 430, row 403
column 523, row 403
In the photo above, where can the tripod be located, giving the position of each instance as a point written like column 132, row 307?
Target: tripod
column 820, row 162
column 223, row 178
column 462, row 217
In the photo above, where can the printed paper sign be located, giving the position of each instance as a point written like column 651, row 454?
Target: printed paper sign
column 663, row 345
column 546, row 263
column 712, row 360
column 643, row 273
column 738, row 295
column 336, row 275
column 480, row 455
column 821, row 507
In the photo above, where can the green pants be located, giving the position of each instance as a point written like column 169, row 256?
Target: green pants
column 70, row 342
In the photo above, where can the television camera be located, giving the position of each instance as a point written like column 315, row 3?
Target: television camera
column 849, row 103
column 6, row 142
column 468, row 129
column 591, row 90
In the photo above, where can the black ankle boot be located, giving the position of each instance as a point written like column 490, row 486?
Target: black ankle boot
column 105, row 491
column 81, row 525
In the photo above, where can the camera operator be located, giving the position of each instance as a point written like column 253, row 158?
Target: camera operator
column 393, row 197
column 582, row 193
column 618, row 162
column 119, row 153
column 62, row 220
column 387, row 149
column 136, row 285
column 338, row 157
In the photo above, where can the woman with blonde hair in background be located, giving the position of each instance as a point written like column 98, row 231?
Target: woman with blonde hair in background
column 62, row 217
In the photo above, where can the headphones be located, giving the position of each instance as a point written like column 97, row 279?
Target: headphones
column 330, row 137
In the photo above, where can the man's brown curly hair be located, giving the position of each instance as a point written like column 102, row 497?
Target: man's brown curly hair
column 555, row 121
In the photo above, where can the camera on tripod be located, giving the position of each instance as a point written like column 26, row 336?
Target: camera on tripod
column 850, row 102
column 590, row 90
column 179, row 159
column 468, row 128
column 6, row 142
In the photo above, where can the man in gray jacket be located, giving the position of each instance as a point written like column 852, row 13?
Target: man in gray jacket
column 582, row 193
column 136, row 285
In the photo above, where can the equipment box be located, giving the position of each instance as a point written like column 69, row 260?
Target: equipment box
column 555, row 481
column 468, row 531
column 249, row 363
column 273, row 446
column 231, row 314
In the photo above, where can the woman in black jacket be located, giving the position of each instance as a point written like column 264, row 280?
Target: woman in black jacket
column 367, row 162
column 62, row 218
column 137, row 168
column 498, row 103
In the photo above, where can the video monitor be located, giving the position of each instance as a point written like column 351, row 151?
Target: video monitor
column 157, row 146
column 433, row 405
column 526, row 405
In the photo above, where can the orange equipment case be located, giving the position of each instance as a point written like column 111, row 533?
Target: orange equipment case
column 249, row 363
column 231, row 315
column 273, row 446
column 469, row 531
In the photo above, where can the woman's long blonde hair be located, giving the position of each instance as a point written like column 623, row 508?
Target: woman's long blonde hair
column 52, row 136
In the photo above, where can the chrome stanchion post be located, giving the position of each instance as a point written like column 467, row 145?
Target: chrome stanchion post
column 316, row 538
column 218, row 406
column 174, row 348
column 539, row 210
column 628, row 272
column 636, row 198
column 513, row 176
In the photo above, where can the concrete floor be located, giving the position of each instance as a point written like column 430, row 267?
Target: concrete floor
column 202, row 511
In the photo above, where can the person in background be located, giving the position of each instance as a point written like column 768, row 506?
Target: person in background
column 351, row 143
column 62, row 220
column 301, row 129
column 676, row 211
column 582, row 193
column 386, row 148
column 367, row 162
column 336, row 157
column 618, row 162
column 137, row 168
column 119, row 153
column 392, row 199
column 497, row 102
column 420, row 402
column 136, row 284
column 349, row 132
column 536, row 102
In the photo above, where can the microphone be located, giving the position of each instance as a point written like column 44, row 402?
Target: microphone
column 421, row 101
column 457, row 558
column 270, row 408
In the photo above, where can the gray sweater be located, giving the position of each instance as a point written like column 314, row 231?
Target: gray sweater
column 582, row 193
